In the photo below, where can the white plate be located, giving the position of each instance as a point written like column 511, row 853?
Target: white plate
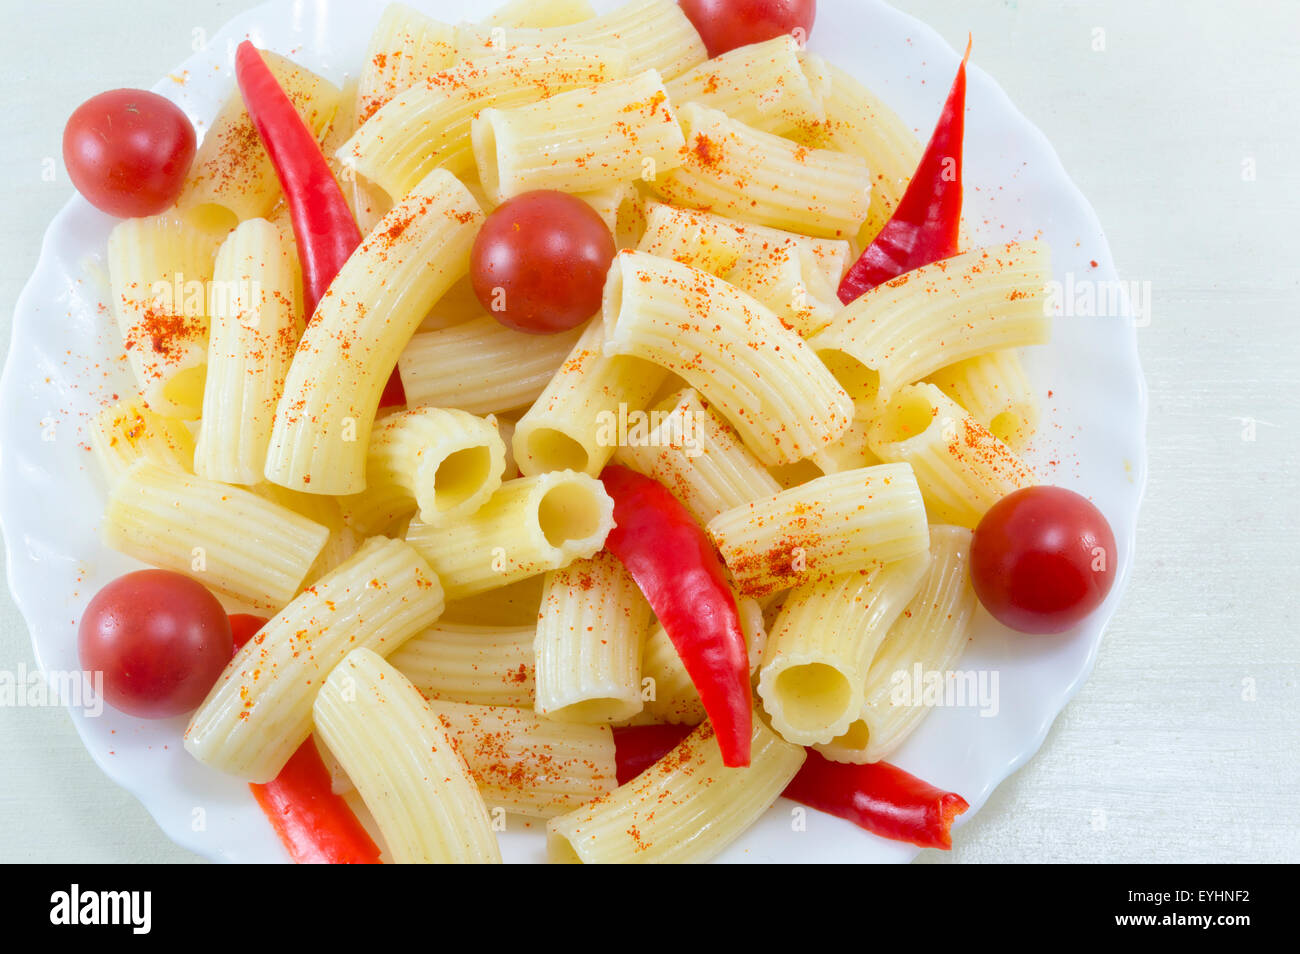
column 65, row 362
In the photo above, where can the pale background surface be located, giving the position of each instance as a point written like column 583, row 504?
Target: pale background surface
column 1184, row 133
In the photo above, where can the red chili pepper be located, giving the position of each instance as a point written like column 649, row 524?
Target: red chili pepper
column 675, row 565
column 323, row 225
column 925, row 226
column 315, row 825
column 244, row 626
column 637, row 747
column 880, row 797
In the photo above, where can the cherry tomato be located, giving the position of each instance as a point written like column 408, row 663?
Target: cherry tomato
column 727, row 24
column 128, row 151
column 1042, row 559
column 160, row 639
column 540, row 260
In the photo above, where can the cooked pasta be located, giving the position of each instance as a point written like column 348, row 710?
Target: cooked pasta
column 404, row 764
column 255, row 310
column 158, row 270
column 579, row 141
column 822, row 643
column 530, row 525
column 758, row 374
column 755, row 176
column 987, row 299
column 590, row 632
column 686, row 807
column 471, row 663
column 323, row 421
column 839, row 523
column 931, row 634
column 961, row 468
column 260, row 710
column 232, row 540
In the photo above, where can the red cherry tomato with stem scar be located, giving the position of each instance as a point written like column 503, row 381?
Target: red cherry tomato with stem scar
column 128, row 151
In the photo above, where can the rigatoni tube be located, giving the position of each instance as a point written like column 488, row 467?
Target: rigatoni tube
column 996, row 391
column 567, row 428
column 449, row 462
column 527, row 763
column 961, row 468
column 232, row 540
column 763, row 85
column 259, row 711
column 466, row 662
column 404, row 764
column 530, row 525
column 590, row 633
column 481, row 366
column 983, row 300
column 931, row 635
column 256, row 320
column 579, row 141
column 697, row 455
column 427, row 127
column 324, row 418
column 652, row 34
column 822, row 643
column 687, row 807
column 124, row 432
column 158, row 270
column 754, row 176
column 405, row 48
column 838, row 523
column 756, row 372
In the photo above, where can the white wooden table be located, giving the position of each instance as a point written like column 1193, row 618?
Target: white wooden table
column 1180, row 122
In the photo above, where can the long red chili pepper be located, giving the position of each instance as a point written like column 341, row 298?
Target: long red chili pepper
column 315, row 825
column 675, row 565
column 880, row 797
column 924, row 228
column 323, row 225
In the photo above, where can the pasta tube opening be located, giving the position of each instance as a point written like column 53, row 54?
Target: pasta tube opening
column 461, row 475
column 552, row 449
column 813, row 695
column 862, row 382
column 908, row 415
column 571, row 516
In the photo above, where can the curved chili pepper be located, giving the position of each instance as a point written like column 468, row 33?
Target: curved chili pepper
column 675, row 565
column 323, row 225
column 881, row 798
column 925, row 226
column 315, row 825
